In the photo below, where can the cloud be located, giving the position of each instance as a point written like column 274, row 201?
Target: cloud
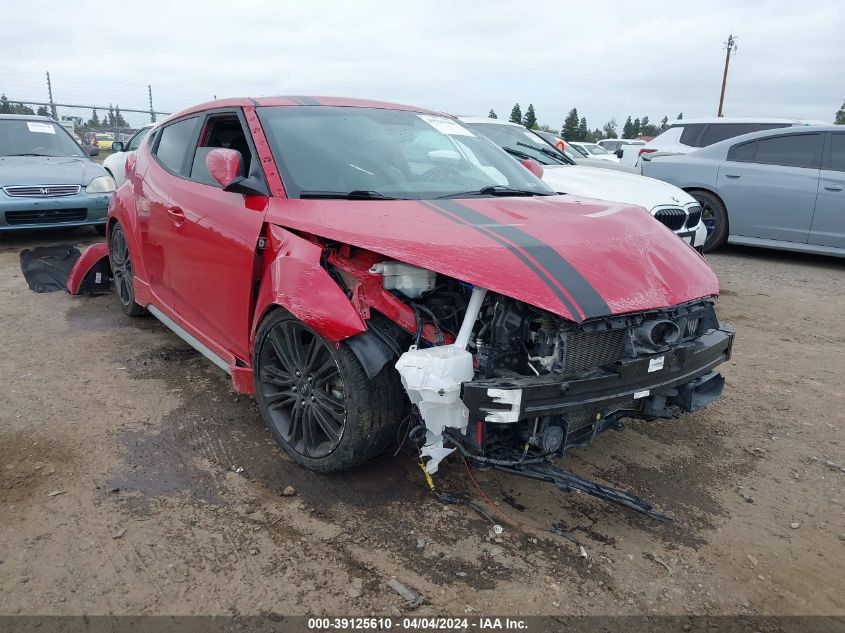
column 608, row 59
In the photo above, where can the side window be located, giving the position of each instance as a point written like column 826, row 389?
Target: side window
column 224, row 131
column 795, row 150
column 691, row 133
column 716, row 132
column 743, row 152
column 837, row 151
column 135, row 141
column 174, row 144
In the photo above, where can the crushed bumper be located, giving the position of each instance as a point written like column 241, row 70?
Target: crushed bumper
column 661, row 385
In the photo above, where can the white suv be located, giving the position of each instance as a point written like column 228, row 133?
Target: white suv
column 673, row 207
column 688, row 134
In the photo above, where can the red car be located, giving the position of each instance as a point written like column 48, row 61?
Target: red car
column 344, row 260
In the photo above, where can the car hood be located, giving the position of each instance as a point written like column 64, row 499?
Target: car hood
column 614, row 186
column 48, row 170
column 579, row 259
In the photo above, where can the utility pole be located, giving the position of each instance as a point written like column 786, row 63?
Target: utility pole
column 152, row 112
column 730, row 46
column 50, row 97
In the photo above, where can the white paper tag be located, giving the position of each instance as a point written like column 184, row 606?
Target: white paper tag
column 641, row 394
column 41, row 128
column 656, row 364
column 98, row 278
column 445, row 125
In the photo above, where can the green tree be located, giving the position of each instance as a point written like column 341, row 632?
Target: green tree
column 569, row 131
column 635, row 128
column 628, row 129
column 595, row 136
column 609, row 129
column 680, row 116
column 664, row 123
column 583, row 130
column 94, row 121
column 119, row 121
column 648, row 129
column 42, row 111
column 530, row 120
column 840, row 116
column 5, row 107
column 516, row 114
column 492, row 114
column 19, row 108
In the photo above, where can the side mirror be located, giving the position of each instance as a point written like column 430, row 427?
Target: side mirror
column 117, row 146
column 533, row 166
column 225, row 166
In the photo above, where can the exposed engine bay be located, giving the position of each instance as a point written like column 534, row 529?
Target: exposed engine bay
column 507, row 384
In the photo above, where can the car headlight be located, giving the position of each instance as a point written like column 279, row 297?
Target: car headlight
column 101, row 184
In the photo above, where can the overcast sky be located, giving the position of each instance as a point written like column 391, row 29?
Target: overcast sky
column 608, row 59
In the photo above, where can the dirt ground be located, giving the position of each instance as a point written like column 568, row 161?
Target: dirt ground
column 133, row 480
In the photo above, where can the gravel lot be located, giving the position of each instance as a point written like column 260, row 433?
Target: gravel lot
column 121, row 489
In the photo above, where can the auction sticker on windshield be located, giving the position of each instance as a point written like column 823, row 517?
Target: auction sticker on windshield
column 445, row 125
column 41, row 128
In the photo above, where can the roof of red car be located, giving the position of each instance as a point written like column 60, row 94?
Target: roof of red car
column 237, row 102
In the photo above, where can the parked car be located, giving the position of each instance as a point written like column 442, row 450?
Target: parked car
column 115, row 163
column 103, row 141
column 594, row 150
column 342, row 259
column 554, row 139
column 779, row 188
column 46, row 177
column 687, row 135
column 677, row 210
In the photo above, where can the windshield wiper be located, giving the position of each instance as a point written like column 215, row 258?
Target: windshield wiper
column 496, row 190
column 545, row 150
column 357, row 194
column 31, row 154
column 516, row 152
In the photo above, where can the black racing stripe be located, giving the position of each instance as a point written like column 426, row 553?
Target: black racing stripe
column 305, row 100
column 573, row 310
column 589, row 300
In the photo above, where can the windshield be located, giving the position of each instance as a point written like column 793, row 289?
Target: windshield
column 386, row 153
column 520, row 143
column 596, row 150
column 576, row 150
column 20, row 137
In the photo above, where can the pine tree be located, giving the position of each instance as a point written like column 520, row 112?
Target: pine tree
column 840, row 116
column 492, row 114
column 628, row 129
column 569, row 131
column 42, row 111
column 94, row 121
column 664, row 123
column 109, row 120
column 609, row 129
column 120, row 121
column 530, row 120
column 583, row 131
column 595, row 136
column 635, row 128
column 5, row 108
column 680, row 116
column 516, row 114
column 19, row 108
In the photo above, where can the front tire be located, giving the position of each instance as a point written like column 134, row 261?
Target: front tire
column 317, row 400
column 715, row 218
column 121, row 266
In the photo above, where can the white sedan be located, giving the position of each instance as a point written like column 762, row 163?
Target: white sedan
column 593, row 150
column 115, row 163
column 673, row 207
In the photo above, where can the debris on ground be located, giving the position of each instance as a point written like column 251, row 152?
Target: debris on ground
column 411, row 598
column 795, row 525
column 356, row 588
column 56, row 493
column 289, row 491
column 119, row 533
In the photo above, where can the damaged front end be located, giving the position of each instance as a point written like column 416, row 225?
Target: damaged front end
column 507, row 384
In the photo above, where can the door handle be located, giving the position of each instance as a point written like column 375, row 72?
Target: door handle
column 833, row 187
column 733, row 175
column 176, row 214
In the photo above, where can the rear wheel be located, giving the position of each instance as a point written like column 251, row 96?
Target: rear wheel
column 316, row 399
column 715, row 218
column 121, row 266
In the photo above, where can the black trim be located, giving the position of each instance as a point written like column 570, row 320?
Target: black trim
column 554, row 266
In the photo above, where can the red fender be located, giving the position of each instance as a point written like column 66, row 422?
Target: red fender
column 294, row 279
column 92, row 256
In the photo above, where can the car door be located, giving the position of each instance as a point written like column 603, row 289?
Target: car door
column 769, row 186
column 158, row 228
column 828, row 227
column 214, row 267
